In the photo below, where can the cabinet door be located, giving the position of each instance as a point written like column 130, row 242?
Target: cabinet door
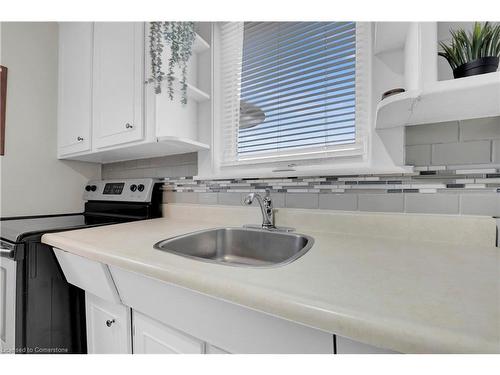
column 7, row 305
column 108, row 327
column 153, row 337
column 118, row 79
column 75, row 87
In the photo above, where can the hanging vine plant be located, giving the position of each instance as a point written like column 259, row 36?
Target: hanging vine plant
column 179, row 37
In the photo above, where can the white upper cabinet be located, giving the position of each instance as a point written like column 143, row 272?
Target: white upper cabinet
column 118, row 78
column 106, row 111
column 75, row 87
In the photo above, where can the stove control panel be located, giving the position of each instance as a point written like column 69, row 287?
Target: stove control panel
column 130, row 190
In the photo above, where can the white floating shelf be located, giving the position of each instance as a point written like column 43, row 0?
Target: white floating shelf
column 196, row 94
column 200, row 45
column 390, row 36
column 457, row 99
column 395, row 110
column 193, row 92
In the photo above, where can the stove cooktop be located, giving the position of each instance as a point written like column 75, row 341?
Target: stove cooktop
column 14, row 230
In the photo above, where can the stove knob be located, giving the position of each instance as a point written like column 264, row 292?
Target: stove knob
column 87, row 188
column 133, row 187
column 140, row 187
column 93, row 188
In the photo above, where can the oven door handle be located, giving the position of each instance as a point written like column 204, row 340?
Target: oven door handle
column 7, row 253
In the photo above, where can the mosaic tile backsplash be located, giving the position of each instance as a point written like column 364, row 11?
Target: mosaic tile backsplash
column 457, row 172
column 475, row 192
column 429, row 181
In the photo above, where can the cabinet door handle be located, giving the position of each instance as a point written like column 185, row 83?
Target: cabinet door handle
column 110, row 322
column 79, row 139
column 6, row 252
column 129, row 125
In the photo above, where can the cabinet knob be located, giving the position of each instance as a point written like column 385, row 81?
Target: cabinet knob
column 110, row 322
column 79, row 139
column 129, row 125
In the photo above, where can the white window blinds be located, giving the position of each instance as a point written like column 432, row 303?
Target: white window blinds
column 288, row 89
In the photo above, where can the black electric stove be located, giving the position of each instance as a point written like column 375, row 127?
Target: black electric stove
column 49, row 312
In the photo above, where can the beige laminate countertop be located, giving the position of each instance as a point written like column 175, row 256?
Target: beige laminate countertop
column 407, row 295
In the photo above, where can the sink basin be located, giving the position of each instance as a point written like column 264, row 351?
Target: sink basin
column 239, row 246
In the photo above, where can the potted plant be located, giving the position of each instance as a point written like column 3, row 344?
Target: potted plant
column 179, row 36
column 474, row 52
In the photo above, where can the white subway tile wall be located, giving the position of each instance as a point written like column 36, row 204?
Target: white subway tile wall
column 445, row 132
column 381, row 202
column 480, row 129
column 446, row 203
column 166, row 166
column 344, row 202
column 496, row 152
column 418, row 155
column 471, row 152
column 457, row 172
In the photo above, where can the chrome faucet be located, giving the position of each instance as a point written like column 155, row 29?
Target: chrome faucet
column 266, row 206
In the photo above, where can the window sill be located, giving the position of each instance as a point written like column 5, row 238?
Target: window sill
column 325, row 170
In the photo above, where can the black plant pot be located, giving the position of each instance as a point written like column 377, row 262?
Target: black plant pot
column 479, row 66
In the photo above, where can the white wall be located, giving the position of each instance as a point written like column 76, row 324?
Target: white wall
column 33, row 181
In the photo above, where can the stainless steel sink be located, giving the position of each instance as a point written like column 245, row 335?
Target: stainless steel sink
column 239, row 246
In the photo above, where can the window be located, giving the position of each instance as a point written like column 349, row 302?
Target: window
column 290, row 91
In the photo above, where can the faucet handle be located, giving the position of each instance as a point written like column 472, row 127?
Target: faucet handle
column 267, row 199
column 249, row 199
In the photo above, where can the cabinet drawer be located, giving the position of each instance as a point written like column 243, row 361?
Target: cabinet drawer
column 153, row 337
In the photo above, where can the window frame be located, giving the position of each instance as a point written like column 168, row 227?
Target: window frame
column 339, row 158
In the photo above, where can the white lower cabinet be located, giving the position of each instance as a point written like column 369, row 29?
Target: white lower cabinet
column 108, row 327
column 138, row 314
column 153, row 337
column 231, row 327
column 89, row 275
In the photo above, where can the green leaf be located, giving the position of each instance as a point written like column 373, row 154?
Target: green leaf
column 482, row 41
column 179, row 36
